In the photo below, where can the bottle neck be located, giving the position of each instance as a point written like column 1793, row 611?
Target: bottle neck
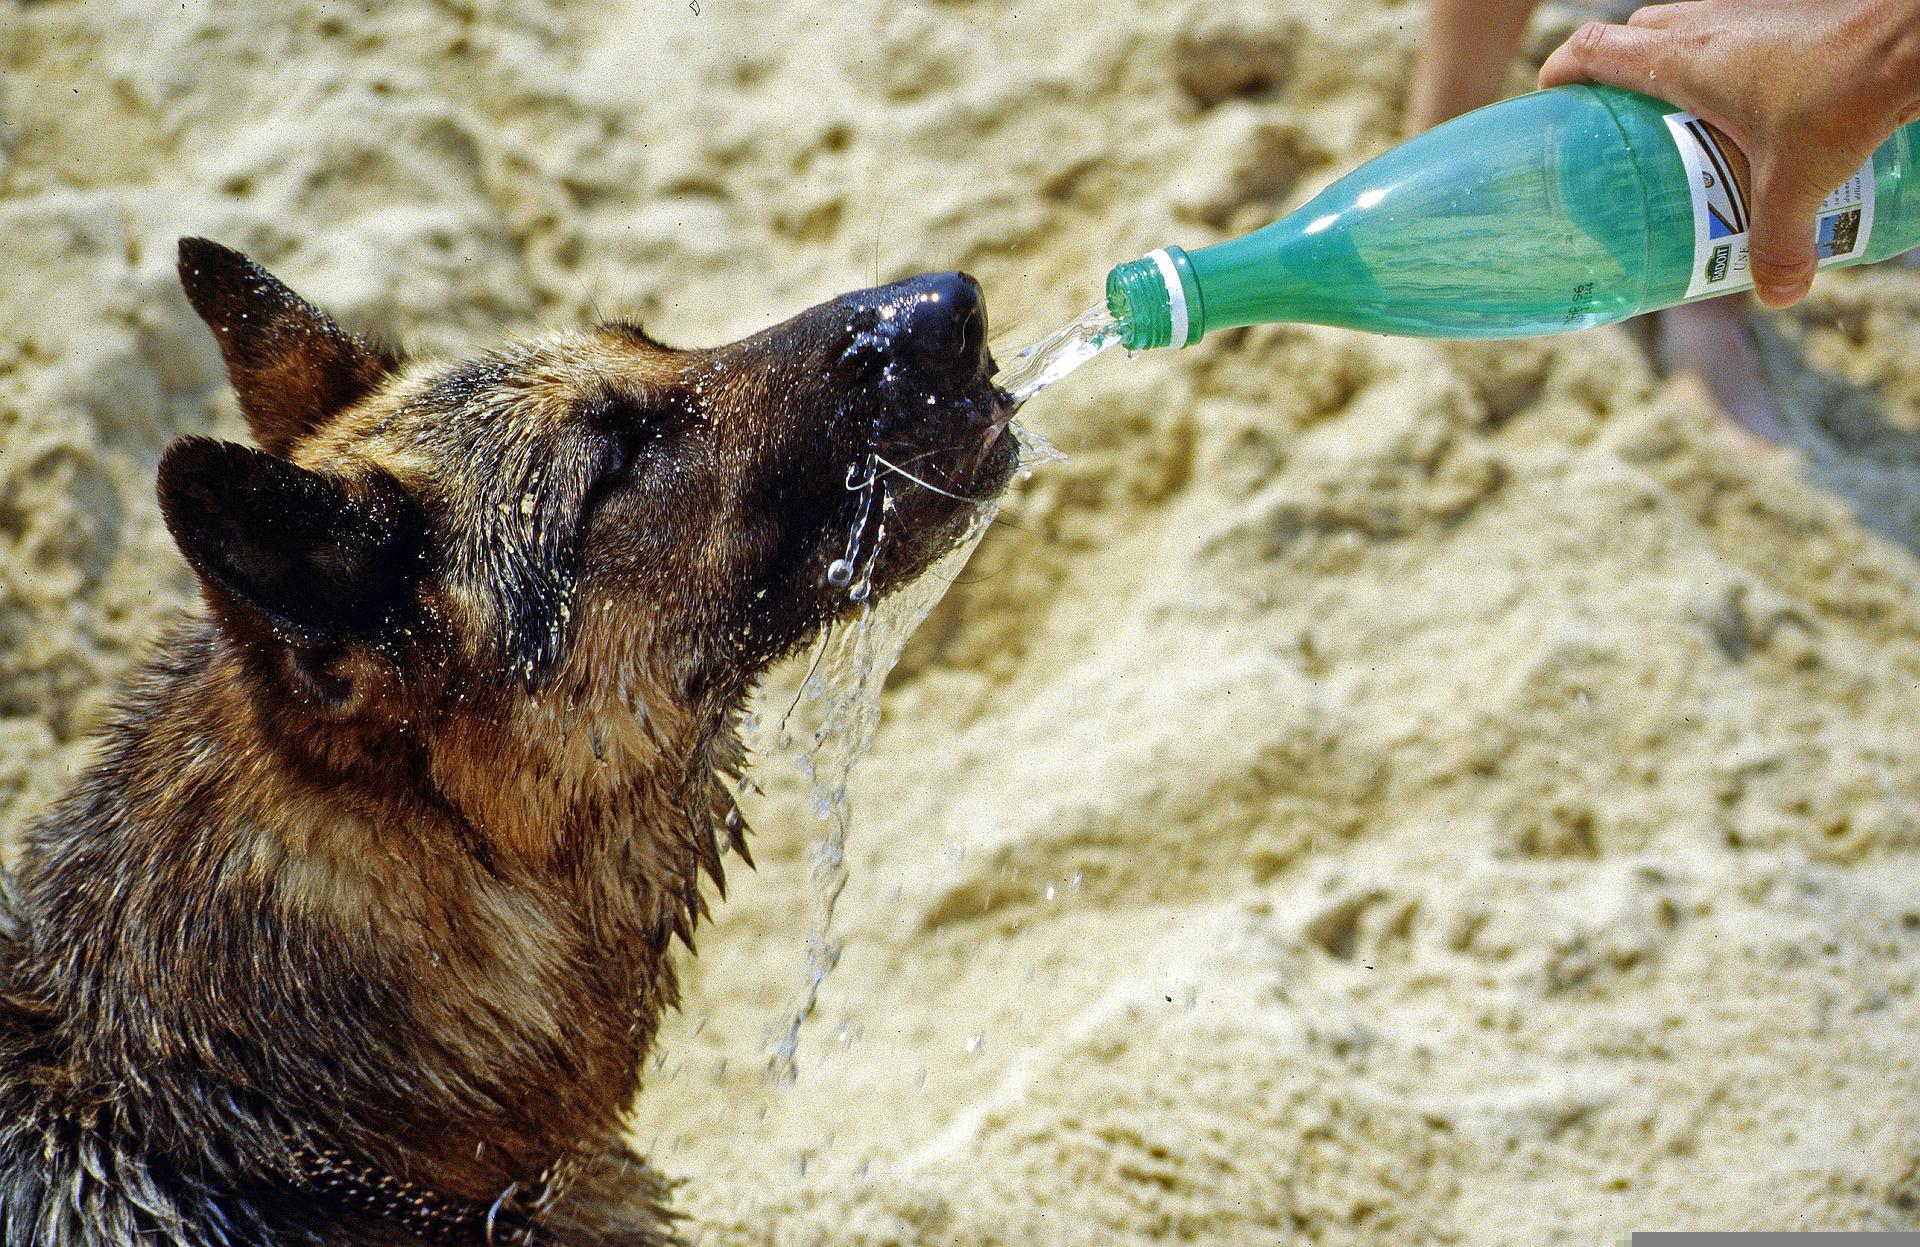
column 1156, row 299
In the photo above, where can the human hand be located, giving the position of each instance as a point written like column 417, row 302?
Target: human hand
column 1807, row 88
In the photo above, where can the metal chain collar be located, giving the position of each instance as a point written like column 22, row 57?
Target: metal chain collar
column 512, row 1220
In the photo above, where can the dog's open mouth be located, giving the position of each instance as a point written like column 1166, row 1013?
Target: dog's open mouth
column 938, row 449
column 924, row 482
column 1003, row 409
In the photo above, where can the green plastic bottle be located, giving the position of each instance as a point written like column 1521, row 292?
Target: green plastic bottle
column 1549, row 212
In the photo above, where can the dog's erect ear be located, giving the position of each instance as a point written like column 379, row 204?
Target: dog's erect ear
column 291, row 366
column 319, row 560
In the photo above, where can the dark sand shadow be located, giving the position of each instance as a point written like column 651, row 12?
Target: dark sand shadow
column 1854, row 441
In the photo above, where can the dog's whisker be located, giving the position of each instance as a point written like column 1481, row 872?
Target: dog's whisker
column 826, row 638
column 944, row 493
column 925, row 454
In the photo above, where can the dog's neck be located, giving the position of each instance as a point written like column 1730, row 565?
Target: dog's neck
column 588, row 825
column 482, row 912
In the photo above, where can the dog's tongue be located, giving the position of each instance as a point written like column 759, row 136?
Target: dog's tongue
column 1002, row 416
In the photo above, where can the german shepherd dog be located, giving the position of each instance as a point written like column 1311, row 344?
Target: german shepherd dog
column 357, row 931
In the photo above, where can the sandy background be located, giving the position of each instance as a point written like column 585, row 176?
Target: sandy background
column 1373, row 792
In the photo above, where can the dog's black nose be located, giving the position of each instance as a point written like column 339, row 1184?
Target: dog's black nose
column 945, row 319
column 934, row 327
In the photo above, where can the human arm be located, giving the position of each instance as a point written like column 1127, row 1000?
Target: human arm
column 1463, row 58
column 1807, row 88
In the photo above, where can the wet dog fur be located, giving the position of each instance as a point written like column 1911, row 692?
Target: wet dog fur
column 357, row 931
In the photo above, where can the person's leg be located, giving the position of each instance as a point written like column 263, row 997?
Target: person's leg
column 1463, row 58
column 1706, row 348
column 1711, row 344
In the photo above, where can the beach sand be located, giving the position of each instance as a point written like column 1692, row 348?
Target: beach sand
column 1373, row 791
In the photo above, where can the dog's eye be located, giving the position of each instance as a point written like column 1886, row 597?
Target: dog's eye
column 631, row 426
column 633, row 436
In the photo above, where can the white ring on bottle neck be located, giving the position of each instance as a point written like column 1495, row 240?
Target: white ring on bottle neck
column 1176, row 293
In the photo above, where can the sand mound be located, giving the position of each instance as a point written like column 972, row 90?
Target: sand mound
column 1373, row 792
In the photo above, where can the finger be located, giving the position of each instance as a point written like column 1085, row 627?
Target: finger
column 1633, row 57
column 1654, row 16
column 1780, row 248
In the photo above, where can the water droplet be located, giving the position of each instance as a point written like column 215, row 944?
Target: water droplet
column 840, row 573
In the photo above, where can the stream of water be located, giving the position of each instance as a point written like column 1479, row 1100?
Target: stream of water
column 832, row 722
column 1065, row 349
column 830, row 726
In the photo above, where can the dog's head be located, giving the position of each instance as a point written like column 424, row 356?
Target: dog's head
column 581, row 511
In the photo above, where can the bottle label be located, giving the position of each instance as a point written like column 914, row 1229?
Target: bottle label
column 1718, row 176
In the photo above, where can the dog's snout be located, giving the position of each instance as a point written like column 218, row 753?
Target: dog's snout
column 934, row 327
column 946, row 320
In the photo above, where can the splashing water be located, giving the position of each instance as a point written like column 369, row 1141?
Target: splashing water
column 1065, row 349
column 833, row 721
column 832, row 725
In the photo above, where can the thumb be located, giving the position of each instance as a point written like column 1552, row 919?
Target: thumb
column 1780, row 246
column 1632, row 57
